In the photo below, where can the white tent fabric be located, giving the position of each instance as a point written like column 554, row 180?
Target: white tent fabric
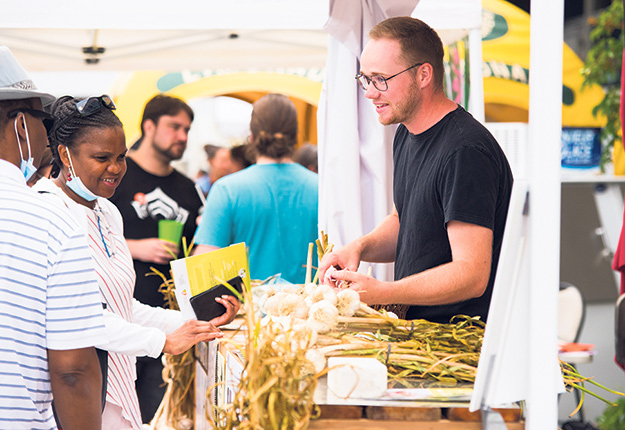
column 164, row 14
column 545, row 117
column 355, row 160
column 161, row 35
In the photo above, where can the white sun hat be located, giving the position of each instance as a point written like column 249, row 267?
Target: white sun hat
column 15, row 84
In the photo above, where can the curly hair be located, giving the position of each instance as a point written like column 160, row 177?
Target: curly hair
column 274, row 126
column 69, row 127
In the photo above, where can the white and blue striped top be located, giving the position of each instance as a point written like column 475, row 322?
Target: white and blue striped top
column 49, row 298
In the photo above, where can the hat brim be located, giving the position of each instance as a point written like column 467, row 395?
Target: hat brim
column 18, row 94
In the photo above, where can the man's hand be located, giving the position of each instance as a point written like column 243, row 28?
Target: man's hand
column 371, row 291
column 232, row 306
column 189, row 334
column 347, row 257
column 152, row 250
column 376, row 247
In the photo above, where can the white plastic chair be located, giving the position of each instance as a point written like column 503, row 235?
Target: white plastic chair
column 572, row 312
column 571, row 316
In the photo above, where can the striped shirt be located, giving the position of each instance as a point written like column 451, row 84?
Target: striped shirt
column 116, row 277
column 49, row 298
column 115, row 272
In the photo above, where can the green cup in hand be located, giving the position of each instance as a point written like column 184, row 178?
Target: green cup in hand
column 170, row 230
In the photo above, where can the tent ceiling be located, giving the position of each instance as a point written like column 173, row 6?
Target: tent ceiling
column 187, row 34
column 165, row 35
column 171, row 50
column 165, row 14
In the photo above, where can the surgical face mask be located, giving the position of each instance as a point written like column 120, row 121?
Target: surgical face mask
column 26, row 166
column 75, row 184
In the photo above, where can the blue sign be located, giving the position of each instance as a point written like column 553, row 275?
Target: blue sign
column 581, row 147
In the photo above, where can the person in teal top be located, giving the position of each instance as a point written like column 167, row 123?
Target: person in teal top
column 272, row 205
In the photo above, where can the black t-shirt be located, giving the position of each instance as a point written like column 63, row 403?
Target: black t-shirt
column 454, row 171
column 143, row 199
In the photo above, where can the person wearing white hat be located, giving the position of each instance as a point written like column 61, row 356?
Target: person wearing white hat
column 50, row 306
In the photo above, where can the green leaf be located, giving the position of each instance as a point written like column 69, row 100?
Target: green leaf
column 603, row 67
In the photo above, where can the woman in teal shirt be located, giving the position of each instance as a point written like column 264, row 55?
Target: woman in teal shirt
column 271, row 205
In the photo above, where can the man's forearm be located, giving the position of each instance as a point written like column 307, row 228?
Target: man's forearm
column 464, row 278
column 379, row 245
column 76, row 383
column 448, row 283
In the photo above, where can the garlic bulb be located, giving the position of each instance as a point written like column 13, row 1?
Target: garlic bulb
column 272, row 303
column 292, row 304
column 323, row 292
column 185, row 423
column 317, row 359
column 302, row 336
column 348, row 302
column 323, row 316
column 309, row 288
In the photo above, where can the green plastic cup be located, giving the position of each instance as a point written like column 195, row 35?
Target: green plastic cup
column 170, row 230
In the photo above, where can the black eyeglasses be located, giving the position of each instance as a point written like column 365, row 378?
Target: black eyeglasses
column 379, row 82
column 45, row 117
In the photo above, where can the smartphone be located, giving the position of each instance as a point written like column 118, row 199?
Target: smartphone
column 204, row 304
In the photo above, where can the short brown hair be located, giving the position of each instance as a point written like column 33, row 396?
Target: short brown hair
column 160, row 105
column 418, row 41
column 274, row 126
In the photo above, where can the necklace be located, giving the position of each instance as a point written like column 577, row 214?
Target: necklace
column 108, row 230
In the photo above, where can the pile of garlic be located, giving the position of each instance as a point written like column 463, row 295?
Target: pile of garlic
column 318, row 305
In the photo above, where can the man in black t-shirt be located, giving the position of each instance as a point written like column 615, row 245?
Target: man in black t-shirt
column 153, row 190
column 451, row 187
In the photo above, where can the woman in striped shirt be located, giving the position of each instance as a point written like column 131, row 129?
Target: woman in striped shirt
column 89, row 156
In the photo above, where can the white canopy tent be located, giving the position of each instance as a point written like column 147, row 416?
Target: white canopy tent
column 196, row 24
column 164, row 35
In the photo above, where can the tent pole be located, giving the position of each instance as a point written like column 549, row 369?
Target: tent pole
column 545, row 128
column 476, row 76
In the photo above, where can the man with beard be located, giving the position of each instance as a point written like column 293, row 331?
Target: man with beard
column 451, row 187
column 153, row 190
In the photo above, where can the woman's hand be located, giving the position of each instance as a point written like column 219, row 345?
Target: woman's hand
column 232, row 306
column 189, row 334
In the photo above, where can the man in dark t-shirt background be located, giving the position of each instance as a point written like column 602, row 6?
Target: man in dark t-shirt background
column 153, row 190
column 451, row 187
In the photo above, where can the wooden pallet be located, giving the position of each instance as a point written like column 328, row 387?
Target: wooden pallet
column 404, row 418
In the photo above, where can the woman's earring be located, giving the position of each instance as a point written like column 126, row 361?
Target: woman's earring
column 69, row 176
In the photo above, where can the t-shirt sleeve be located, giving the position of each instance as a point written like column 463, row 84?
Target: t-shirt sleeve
column 215, row 229
column 74, row 310
column 469, row 187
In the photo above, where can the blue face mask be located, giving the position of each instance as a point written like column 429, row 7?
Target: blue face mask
column 75, row 184
column 27, row 167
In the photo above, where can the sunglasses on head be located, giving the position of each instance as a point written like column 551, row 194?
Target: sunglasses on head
column 86, row 107
column 91, row 105
column 45, row 117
